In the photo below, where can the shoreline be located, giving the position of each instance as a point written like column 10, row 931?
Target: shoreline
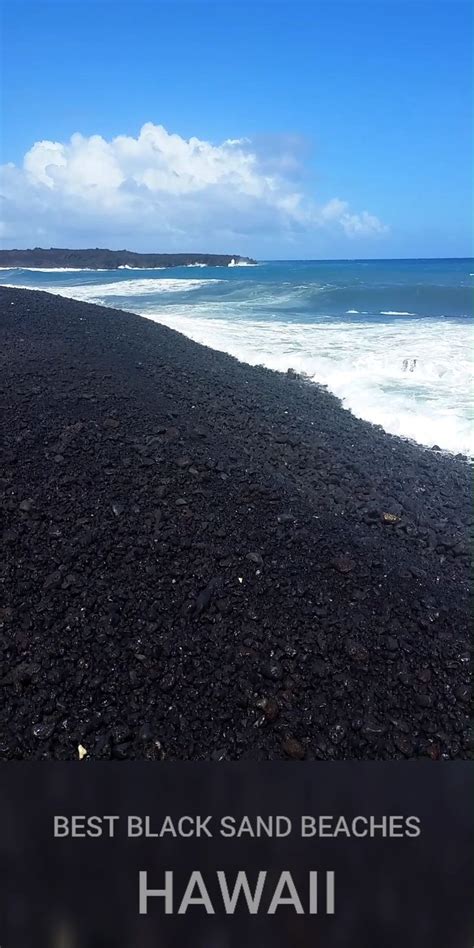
column 411, row 377
column 299, row 577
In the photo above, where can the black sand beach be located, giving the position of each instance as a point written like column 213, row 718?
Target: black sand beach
column 205, row 560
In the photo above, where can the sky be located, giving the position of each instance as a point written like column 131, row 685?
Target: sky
column 269, row 128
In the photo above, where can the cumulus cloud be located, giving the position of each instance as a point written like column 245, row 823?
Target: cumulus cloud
column 161, row 191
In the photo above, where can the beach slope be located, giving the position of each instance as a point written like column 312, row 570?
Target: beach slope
column 207, row 560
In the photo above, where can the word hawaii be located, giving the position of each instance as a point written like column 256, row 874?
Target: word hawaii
column 222, row 893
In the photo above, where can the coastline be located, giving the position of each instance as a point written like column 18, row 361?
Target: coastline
column 102, row 259
column 208, row 560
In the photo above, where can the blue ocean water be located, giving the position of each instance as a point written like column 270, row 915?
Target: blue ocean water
column 392, row 338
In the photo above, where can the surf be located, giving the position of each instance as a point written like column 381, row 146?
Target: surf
column 391, row 339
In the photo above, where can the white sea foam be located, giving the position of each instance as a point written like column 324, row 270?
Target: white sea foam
column 59, row 269
column 240, row 263
column 394, row 312
column 121, row 289
column 413, row 379
column 126, row 288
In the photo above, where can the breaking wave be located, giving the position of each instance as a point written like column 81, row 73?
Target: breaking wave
column 56, row 269
column 121, row 290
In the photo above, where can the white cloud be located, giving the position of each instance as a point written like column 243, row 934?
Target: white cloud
column 353, row 224
column 161, row 191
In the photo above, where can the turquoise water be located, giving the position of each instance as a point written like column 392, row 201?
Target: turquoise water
column 392, row 338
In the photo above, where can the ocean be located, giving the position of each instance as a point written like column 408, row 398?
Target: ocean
column 391, row 338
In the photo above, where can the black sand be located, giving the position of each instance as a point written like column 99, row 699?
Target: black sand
column 199, row 562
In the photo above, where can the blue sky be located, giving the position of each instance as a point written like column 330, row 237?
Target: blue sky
column 349, row 126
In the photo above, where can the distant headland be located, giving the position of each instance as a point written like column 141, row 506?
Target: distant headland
column 98, row 259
